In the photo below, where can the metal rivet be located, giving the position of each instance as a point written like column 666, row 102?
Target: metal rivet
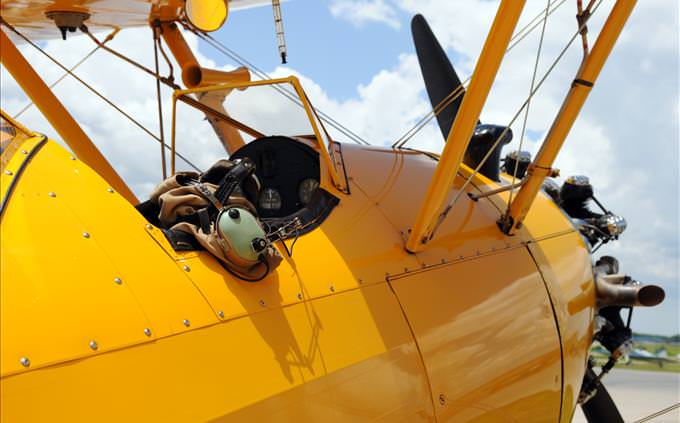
column 361, row 281
column 93, row 345
column 443, row 261
column 405, row 269
column 148, row 226
column 460, row 257
column 118, row 281
column 299, row 296
column 25, row 361
column 186, row 322
column 186, row 268
column 86, row 235
column 220, row 314
column 110, row 190
column 72, row 158
column 442, row 399
column 51, row 194
column 24, row 152
column 332, row 288
column 147, row 331
column 8, row 172
column 262, row 303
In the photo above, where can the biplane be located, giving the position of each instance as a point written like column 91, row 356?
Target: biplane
column 300, row 278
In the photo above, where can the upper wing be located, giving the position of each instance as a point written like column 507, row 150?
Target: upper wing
column 30, row 15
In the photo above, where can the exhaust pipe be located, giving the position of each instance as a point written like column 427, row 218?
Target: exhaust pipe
column 622, row 291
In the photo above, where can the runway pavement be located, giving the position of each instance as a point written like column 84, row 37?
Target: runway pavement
column 639, row 394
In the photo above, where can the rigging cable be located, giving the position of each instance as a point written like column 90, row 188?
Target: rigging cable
column 453, row 202
column 526, row 111
column 519, row 36
column 121, row 56
column 460, row 90
column 659, row 413
column 74, row 67
column 94, row 91
column 283, row 91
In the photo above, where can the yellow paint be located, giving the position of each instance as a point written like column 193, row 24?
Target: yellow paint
column 459, row 137
column 288, row 363
column 569, row 276
column 323, row 337
column 488, row 338
column 480, row 261
column 48, row 262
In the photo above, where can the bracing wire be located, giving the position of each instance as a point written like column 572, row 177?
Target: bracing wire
column 469, row 179
column 659, row 413
column 526, row 111
column 283, row 91
column 97, row 93
column 167, row 81
column 65, row 74
column 460, row 90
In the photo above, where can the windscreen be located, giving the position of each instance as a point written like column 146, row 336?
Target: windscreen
column 238, row 114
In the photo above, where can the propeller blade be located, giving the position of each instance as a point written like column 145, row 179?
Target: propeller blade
column 440, row 77
column 601, row 407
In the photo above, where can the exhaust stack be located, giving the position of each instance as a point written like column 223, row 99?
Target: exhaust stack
column 614, row 289
column 622, row 291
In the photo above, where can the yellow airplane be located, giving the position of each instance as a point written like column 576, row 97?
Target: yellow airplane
column 310, row 280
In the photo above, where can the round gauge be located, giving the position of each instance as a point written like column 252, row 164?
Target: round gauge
column 270, row 199
column 307, row 189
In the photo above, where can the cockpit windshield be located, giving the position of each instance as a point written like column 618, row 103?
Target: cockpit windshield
column 245, row 112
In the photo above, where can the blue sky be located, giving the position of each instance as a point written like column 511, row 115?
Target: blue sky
column 333, row 52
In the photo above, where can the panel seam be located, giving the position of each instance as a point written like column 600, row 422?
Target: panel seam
column 557, row 326
column 420, row 352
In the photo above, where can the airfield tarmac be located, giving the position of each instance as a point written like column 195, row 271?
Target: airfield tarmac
column 639, row 394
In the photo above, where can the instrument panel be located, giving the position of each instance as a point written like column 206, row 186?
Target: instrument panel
column 288, row 171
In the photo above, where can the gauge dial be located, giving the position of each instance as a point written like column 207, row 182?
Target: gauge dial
column 270, row 199
column 307, row 189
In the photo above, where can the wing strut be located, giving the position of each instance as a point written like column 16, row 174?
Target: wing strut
column 580, row 88
column 466, row 119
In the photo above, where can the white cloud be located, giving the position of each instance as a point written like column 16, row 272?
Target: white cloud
column 360, row 12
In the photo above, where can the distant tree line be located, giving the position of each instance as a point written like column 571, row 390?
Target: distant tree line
column 647, row 337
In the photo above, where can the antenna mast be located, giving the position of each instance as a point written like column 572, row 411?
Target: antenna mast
column 278, row 25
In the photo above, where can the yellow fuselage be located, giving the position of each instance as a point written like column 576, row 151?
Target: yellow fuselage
column 117, row 326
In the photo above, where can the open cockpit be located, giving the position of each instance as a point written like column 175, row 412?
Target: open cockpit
column 282, row 177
